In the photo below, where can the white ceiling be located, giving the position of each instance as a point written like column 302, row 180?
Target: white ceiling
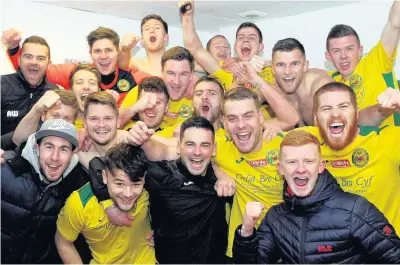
column 210, row 15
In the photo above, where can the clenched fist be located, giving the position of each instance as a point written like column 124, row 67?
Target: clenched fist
column 11, row 38
column 251, row 215
column 129, row 41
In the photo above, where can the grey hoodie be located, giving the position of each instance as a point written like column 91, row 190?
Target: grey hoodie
column 29, row 153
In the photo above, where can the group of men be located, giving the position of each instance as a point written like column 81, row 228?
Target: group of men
column 187, row 169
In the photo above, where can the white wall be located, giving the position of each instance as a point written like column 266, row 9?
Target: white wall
column 66, row 29
column 367, row 18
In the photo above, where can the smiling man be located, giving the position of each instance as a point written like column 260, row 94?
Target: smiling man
column 317, row 222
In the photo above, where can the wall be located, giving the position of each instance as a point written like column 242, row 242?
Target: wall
column 66, row 29
column 367, row 18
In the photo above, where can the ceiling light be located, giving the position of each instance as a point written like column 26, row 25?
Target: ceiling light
column 252, row 15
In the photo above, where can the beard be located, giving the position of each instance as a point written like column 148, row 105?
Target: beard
column 339, row 144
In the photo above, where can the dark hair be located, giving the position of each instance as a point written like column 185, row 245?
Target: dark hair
column 197, row 122
column 156, row 17
column 128, row 158
column 87, row 67
column 332, row 87
column 339, row 31
column 208, row 47
column 250, row 25
column 178, row 53
column 67, row 98
column 288, row 45
column 103, row 33
column 209, row 78
column 37, row 40
column 100, row 98
column 154, row 84
column 241, row 93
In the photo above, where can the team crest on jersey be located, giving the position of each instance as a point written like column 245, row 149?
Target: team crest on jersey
column 360, row 157
column 185, row 111
column 272, row 157
column 123, row 85
column 357, row 84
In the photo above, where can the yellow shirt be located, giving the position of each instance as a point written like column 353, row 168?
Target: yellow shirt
column 178, row 111
column 369, row 167
column 226, row 79
column 373, row 75
column 256, row 176
column 109, row 244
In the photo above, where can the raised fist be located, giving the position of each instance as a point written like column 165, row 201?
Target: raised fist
column 11, row 38
column 251, row 215
column 129, row 41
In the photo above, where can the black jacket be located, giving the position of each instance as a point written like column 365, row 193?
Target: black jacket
column 188, row 217
column 29, row 210
column 329, row 226
column 18, row 98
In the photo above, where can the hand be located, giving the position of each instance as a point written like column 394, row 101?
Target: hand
column 113, row 93
column 11, row 38
column 269, row 132
column 225, row 187
column 230, row 64
column 257, row 62
column 84, row 140
column 251, row 215
column 189, row 8
column 245, row 73
column 139, row 133
column 150, row 239
column 48, row 100
column 148, row 101
column 1, row 156
column 390, row 99
column 118, row 217
column 129, row 41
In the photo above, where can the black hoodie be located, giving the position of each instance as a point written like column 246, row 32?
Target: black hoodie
column 328, row 226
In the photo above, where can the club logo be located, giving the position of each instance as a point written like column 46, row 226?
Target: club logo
column 357, row 84
column 185, row 111
column 123, row 85
column 272, row 157
column 360, row 157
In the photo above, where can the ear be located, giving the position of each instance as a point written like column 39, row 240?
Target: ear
column 360, row 51
column 84, row 123
column 119, row 122
column 261, row 47
column 19, row 60
column 261, row 114
column 166, row 107
column 328, row 56
column 279, row 167
column 306, row 65
column 178, row 148
column 214, row 151
column 315, row 120
column 141, row 42
column 37, row 149
column 166, row 38
column 43, row 116
column 321, row 167
column 104, row 175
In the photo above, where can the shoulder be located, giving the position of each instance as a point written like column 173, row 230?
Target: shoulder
column 379, row 131
column 84, row 195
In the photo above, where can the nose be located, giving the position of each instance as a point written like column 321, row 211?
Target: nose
column 300, row 169
column 176, row 80
column 103, row 54
column 197, row 150
column 241, row 124
column 101, row 122
column 204, row 96
column 343, row 53
column 54, row 155
column 128, row 191
column 336, row 112
column 287, row 70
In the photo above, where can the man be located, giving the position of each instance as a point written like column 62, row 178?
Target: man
column 371, row 75
column 317, row 222
column 34, row 186
column 54, row 104
column 82, row 213
column 219, row 47
column 177, row 66
column 21, row 90
column 188, row 216
column 104, row 45
column 152, row 105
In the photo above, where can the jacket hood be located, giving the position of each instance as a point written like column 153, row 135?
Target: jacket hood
column 325, row 188
column 30, row 154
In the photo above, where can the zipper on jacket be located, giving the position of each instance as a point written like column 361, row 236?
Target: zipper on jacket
column 302, row 241
column 31, row 95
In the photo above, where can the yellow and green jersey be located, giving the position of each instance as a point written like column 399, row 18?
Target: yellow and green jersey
column 109, row 244
column 373, row 75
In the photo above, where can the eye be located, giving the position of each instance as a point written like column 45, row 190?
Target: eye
column 344, row 106
column 198, row 93
column 119, row 184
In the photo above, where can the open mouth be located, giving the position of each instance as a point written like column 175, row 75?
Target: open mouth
column 246, row 50
column 83, row 96
column 101, row 132
column 222, row 56
column 288, row 80
column 153, row 39
column 105, row 64
column 345, row 65
column 336, row 128
column 243, row 136
column 300, row 181
column 33, row 71
column 196, row 162
column 150, row 115
column 53, row 168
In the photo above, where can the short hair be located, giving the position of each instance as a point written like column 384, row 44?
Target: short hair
column 153, row 84
column 288, row 45
column 208, row 47
column 67, row 98
column 332, row 87
column 100, row 98
column 299, row 138
column 37, row 40
column 339, row 31
column 86, row 67
column 156, row 17
column 250, row 25
column 209, row 78
column 130, row 159
column 241, row 93
column 177, row 53
column 103, row 33
column 197, row 122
